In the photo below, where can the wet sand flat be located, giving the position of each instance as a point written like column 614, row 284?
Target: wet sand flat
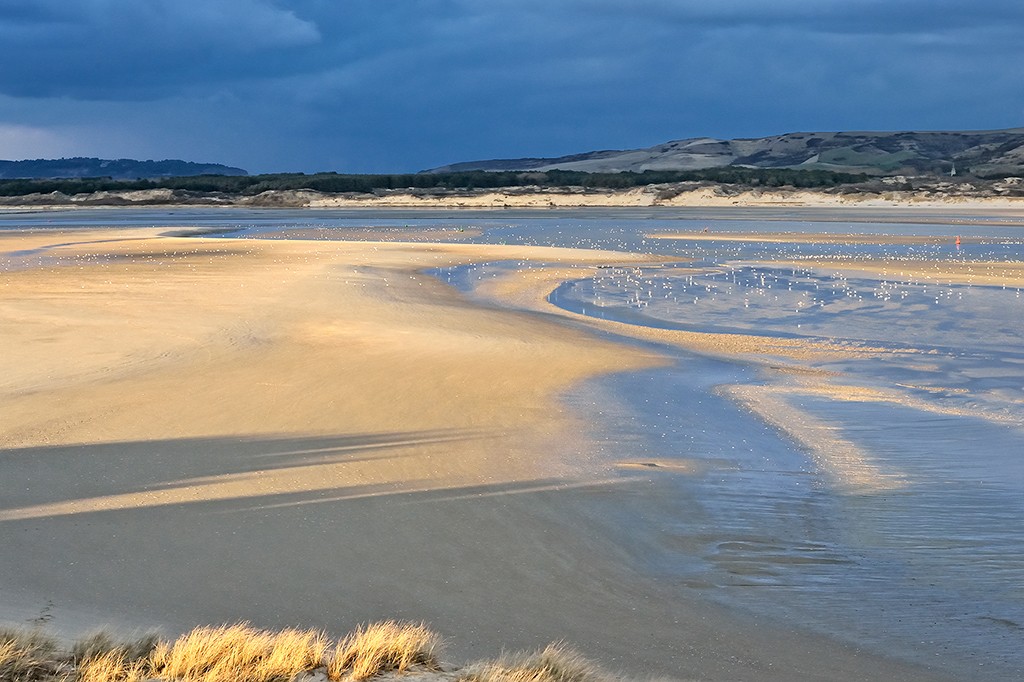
column 804, row 238
column 988, row 273
column 317, row 434
column 376, row 234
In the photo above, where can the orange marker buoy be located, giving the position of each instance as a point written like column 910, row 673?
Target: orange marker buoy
column 958, row 240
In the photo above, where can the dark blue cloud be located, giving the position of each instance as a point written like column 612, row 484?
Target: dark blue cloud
column 370, row 85
column 125, row 49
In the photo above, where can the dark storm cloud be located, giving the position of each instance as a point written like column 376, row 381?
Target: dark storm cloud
column 134, row 48
column 831, row 16
column 372, row 85
column 141, row 48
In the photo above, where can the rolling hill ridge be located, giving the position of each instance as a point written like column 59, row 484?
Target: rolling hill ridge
column 981, row 152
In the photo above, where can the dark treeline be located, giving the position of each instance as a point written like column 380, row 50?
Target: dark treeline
column 338, row 183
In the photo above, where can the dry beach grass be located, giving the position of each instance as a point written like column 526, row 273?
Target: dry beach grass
column 241, row 653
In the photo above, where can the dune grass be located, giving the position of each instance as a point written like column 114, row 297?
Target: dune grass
column 100, row 657
column 112, row 666
column 229, row 653
column 27, row 656
column 238, row 652
column 556, row 663
column 384, row 647
column 242, row 653
column 101, row 643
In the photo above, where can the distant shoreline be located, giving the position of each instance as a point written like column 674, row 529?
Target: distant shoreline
column 704, row 196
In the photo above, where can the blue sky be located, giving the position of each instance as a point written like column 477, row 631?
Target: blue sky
column 403, row 85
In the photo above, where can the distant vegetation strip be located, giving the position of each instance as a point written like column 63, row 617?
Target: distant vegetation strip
column 468, row 180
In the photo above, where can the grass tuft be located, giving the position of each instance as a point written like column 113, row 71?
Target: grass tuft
column 27, row 656
column 101, row 658
column 556, row 663
column 239, row 653
column 113, row 666
column 101, row 643
column 384, row 647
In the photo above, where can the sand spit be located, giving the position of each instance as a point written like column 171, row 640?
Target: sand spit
column 981, row 273
column 851, row 469
column 808, row 238
column 788, row 365
column 201, row 430
column 529, row 289
column 375, row 234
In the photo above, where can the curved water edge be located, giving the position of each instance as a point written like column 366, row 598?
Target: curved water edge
column 910, row 548
column 932, row 563
column 861, row 506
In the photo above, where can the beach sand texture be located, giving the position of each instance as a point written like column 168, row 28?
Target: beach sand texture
column 202, row 430
column 650, row 196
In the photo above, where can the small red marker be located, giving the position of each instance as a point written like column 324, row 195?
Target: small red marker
column 958, row 240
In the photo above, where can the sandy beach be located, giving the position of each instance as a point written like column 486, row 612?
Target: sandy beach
column 650, row 196
column 202, row 430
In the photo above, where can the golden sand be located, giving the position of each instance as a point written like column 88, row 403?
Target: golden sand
column 154, row 338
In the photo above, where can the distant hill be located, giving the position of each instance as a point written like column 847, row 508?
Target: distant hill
column 983, row 152
column 118, row 169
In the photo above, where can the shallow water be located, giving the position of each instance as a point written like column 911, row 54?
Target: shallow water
column 930, row 570
column 958, row 345
column 934, row 568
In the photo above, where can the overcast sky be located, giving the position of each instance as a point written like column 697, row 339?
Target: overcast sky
column 404, row 85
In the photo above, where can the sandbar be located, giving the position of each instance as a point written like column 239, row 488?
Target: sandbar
column 981, row 273
column 203, row 430
column 809, row 238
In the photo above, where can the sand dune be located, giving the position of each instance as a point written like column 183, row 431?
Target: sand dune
column 712, row 196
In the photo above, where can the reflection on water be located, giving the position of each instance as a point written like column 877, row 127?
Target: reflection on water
column 957, row 344
column 802, row 302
